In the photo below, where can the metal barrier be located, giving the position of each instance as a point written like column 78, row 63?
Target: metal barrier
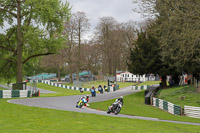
column 191, row 111
column 167, row 106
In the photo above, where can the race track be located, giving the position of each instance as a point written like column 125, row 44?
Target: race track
column 68, row 103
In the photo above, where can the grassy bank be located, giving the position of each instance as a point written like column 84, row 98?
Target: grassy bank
column 24, row 119
column 67, row 92
column 134, row 105
column 60, row 91
column 183, row 95
column 121, row 84
column 149, row 83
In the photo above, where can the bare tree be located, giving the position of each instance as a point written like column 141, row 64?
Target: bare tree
column 104, row 28
column 81, row 25
column 69, row 32
column 116, row 40
column 55, row 61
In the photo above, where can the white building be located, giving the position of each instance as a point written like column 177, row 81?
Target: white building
column 129, row 77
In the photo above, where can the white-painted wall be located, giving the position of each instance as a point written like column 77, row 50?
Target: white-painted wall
column 127, row 76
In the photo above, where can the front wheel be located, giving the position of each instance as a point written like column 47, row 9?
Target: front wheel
column 108, row 112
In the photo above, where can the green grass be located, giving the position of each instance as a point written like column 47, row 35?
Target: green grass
column 24, row 119
column 2, row 88
column 185, row 95
column 102, row 83
column 61, row 91
column 67, row 84
column 149, row 83
column 121, row 84
column 134, row 105
column 95, row 84
column 66, row 92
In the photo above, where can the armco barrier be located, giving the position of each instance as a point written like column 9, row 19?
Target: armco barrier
column 63, row 86
column 72, row 87
column 191, row 111
column 14, row 93
column 167, row 106
column 140, row 87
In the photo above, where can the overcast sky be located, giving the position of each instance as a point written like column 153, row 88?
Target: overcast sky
column 121, row 10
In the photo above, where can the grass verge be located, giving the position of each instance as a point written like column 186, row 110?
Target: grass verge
column 60, row 91
column 149, row 83
column 183, row 95
column 2, row 88
column 24, row 119
column 134, row 105
column 121, row 84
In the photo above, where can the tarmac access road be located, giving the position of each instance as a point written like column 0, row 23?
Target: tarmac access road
column 68, row 103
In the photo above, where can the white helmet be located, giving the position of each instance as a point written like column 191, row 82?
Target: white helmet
column 121, row 97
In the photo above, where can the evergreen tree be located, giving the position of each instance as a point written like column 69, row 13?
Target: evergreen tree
column 145, row 57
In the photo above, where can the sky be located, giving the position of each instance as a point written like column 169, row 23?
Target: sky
column 121, row 10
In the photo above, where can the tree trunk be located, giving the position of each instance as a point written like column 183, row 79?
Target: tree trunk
column 71, row 80
column 19, row 44
column 164, row 83
column 59, row 78
column 77, row 75
column 70, row 72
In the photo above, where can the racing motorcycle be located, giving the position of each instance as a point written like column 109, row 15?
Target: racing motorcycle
column 81, row 102
column 115, row 108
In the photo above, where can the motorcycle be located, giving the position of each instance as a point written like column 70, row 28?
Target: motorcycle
column 81, row 102
column 115, row 108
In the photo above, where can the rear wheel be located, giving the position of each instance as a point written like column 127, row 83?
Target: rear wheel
column 117, row 111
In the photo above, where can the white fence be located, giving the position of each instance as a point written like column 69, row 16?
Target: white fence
column 191, row 111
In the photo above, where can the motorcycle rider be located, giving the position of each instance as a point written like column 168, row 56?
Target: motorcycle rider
column 121, row 100
column 87, row 98
column 116, row 106
column 82, row 99
column 93, row 92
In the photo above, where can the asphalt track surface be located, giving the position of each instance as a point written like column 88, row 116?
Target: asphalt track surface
column 68, row 103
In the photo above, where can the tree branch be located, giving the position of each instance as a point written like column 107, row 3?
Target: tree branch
column 2, row 9
column 6, row 48
column 37, row 55
column 180, row 12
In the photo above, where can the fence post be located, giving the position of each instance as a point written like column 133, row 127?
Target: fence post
column 181, row 111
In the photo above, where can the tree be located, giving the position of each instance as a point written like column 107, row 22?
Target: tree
column 55, row 61
column 116, row 40
column 145, row 57
column 32, row 35
column 179, row 37
column 69, row 51
column 81, row 26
